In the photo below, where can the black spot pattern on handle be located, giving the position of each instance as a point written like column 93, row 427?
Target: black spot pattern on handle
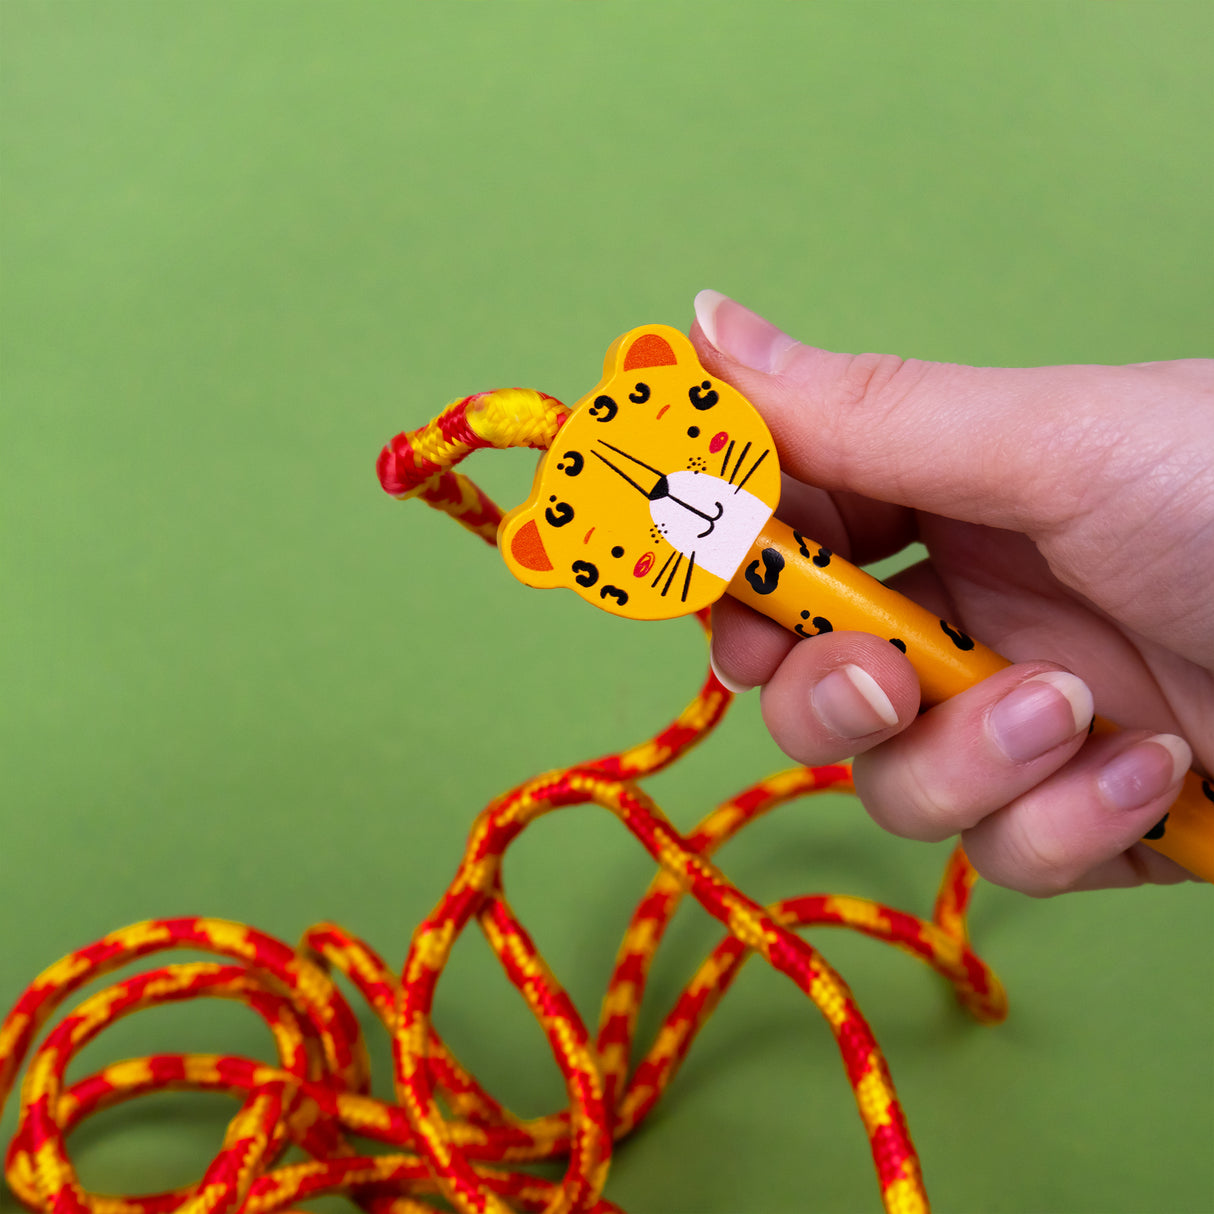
column 773, row 565
column 1156, row 831
column 898, row 643
column 821, row 558
column 957, row 637
column 821, row 624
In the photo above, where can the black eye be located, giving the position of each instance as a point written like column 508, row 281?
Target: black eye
column 693, row 431
column 571, row 463
column 641, row 395
column 703, row 396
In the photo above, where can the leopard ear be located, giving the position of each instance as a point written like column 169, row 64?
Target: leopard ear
column 522, row 547
column 649, row 346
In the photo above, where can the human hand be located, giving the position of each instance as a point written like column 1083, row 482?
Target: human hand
column 1068, row 515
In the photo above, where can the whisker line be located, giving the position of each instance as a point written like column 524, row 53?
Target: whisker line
column 752, row 469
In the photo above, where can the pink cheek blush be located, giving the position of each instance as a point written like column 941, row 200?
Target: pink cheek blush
column 718, row 441
column 643, row 566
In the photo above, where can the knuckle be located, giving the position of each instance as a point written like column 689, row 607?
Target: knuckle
column 1028, row 861
column 870, row 390
column 903, row 798
column 867, row 378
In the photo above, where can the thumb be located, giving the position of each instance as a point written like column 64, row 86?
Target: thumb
column 998, row 446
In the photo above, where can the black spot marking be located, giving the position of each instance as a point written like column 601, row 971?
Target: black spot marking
column 617, row 552
column 821, row 558
column 614, row 592
column 898, row 643
column 560, row 514
column 585, row 574
column 773, row 564
column 702, row 396
column 641, row 395
column 1156, row 831
column 821, row 624
column 603, row 409
column 957, row 637
column 693, row 431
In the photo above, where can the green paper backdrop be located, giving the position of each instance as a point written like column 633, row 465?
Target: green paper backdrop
column 244, row 244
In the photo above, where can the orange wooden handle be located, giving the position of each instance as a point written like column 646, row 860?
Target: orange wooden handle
column 809, row 590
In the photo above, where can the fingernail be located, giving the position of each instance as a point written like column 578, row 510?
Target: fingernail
column 727, row 683
column 742, row 334
column 1144, row 772
column 850, row 703
column 1043, row 712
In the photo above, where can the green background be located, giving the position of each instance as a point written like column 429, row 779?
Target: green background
column 243, row 244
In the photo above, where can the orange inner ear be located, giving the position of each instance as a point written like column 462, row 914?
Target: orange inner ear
column 649, row 350
column 527, row 548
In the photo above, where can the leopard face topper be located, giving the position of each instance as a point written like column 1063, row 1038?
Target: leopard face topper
column 654, row 489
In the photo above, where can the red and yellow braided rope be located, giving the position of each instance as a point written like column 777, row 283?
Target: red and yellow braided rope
column 316, row 1094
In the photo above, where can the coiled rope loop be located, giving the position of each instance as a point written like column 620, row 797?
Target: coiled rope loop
column 446, row 1137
